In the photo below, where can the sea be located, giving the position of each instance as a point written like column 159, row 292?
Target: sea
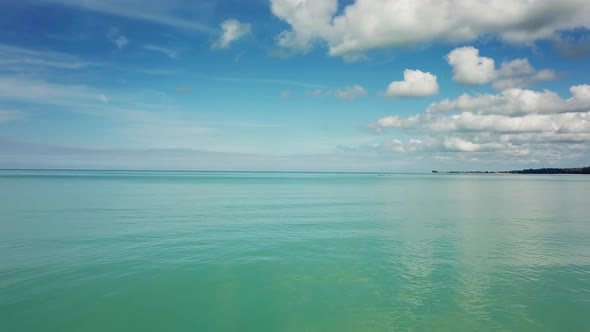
column 255, row 251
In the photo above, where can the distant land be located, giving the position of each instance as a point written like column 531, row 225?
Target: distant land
column 578, row 170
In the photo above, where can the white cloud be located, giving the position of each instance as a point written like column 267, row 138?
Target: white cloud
column 15, row 154
column 539, row 123
column 271, row 81
column 415, row 84
column 117, row 38
column 121, row 41
column 461, row 145
column 469, row 68
column 544, row 75
column 19, row 59
column 373, row 24
column 142, row 121
column 153, row 11
column 520, row 73
column 309, row 20
column 349, row 93
column 231, row 31
column 395, row 121
column 286, row 94
column 514, row 82
column 396, row 146
column 518, row 101
column 518, row 67
column 172, row 54
column 315, row 93
column 30, row 90
column 515, row 123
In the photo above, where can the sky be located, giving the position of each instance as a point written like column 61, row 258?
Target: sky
column 295, row 85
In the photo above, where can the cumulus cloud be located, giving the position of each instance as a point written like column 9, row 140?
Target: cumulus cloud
column 373, row 24
column 521, row 81
column 231, row 31
column 415, row 84
column 518, row 67
column 309, row 20
column 518, row 101
column 514, row 123
column 460, row 145
column 520, row 73
column 535, row 123
column 395, row 121
column 470, row 68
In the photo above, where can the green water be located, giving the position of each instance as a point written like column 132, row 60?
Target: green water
column 179, row 251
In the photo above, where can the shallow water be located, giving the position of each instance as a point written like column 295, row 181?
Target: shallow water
column 192, row 251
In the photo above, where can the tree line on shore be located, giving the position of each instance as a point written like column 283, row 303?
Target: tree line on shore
column 577, row 170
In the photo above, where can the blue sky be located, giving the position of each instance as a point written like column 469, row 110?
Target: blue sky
column 294, row 84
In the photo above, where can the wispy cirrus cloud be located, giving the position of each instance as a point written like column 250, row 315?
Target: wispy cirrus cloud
column 349, row 93
column 346, row 93
column 40, row 91
column 8, row 115
column 20, row 154
column 139, row 114
column 172, row 54
column 141, row 121
column 17, row 59
column 157, row 12
column 300, row 84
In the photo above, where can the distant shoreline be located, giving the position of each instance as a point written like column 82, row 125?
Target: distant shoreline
column 577, row 170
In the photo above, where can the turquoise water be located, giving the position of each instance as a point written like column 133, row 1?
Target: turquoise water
column 189, row 251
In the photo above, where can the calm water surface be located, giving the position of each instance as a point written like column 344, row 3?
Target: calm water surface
column 183, row 251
